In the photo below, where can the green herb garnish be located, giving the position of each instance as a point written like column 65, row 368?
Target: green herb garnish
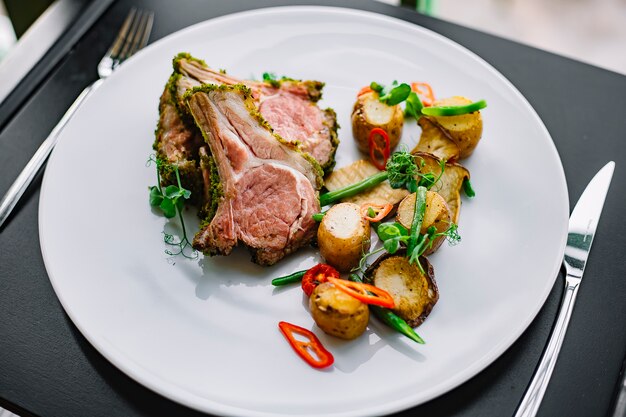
column 392, row 94
column 402, row 171
column 270, row 78
column 414, row 106
column 171, row 201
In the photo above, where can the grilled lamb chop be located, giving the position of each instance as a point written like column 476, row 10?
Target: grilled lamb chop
column 267, row 190
column 178, row 145
column 289, row 106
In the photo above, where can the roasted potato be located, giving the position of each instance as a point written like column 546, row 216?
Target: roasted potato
column 357, row 171
column 414, row 292
column 451, row 182
column 436, row 140
column 368, row 113
column 466, row 129
column 437, row 214
column 343, row 236
column 338, row 313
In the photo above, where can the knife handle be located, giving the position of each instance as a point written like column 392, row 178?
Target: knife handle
column 31, row 169
column 534, row 394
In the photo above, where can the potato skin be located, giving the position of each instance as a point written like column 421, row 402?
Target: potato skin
column 338, row 313
column 465, row 130
column 437, row 214
column 369, row 113
column 436, row 140
column 451, row 182
column 343, row 236
column 414, row 293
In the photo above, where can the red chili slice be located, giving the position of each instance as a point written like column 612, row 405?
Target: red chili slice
column 317, row 275
column 381, row 210
column 425, row 91
column 364, row 90
column 366, row 293
column 379, row 154
column 311, row 350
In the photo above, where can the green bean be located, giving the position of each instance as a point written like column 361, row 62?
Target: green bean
column 396, row 322
column 353, row 189
column 454, row 110
column 319, row 216
column 391, row 319
column 418, row 217
column 289, row 279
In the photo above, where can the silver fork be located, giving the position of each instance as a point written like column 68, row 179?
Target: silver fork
column 133, row 36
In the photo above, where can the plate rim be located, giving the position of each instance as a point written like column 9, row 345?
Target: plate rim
column 197, row 402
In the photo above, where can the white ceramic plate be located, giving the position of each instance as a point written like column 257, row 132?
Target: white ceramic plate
column 204, row 332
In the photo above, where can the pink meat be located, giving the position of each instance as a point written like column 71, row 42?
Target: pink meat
column 269, row 187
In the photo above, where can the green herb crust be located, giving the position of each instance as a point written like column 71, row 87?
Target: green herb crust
column 190, row 175
column 331, row 122
column 188, row 57
column 216, row 191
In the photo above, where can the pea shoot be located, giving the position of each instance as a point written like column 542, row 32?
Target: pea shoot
column 392, row 94
column 171, row 201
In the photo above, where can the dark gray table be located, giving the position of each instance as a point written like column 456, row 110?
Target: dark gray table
column 47, row 368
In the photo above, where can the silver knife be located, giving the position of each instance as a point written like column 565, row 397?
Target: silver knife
column 582, row 228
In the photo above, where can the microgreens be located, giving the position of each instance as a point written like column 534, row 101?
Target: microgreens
column 414, row 105
column 171, row 200
column 402, row 170
column 270, row 77
column 392, row 94
column 428, row 179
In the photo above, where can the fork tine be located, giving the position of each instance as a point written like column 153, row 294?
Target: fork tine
column 138, row 35
column 128, row 38
column 116, row 48
column 147, row 30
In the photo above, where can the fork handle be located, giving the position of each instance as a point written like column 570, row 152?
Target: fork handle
column 537, row 388
column 31, row 169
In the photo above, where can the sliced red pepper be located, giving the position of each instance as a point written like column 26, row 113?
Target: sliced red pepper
column 379, row 154
column 364, row 90
column 366, row 293
column 317, row 275
column 312, row 350
column 425, row 91
column 381, row 210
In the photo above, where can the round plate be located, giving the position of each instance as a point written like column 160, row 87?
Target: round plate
column 204, row 332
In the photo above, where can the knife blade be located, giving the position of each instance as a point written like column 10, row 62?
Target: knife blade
column 582, row 229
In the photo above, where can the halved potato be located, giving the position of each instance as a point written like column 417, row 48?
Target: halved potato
column 368, row 113
column 357, row 171
column 466, row 129
column 414, row 292
column 338, row 313
column 437, row 214
column 436, row 140
column 451, row 182
column 343, row 236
